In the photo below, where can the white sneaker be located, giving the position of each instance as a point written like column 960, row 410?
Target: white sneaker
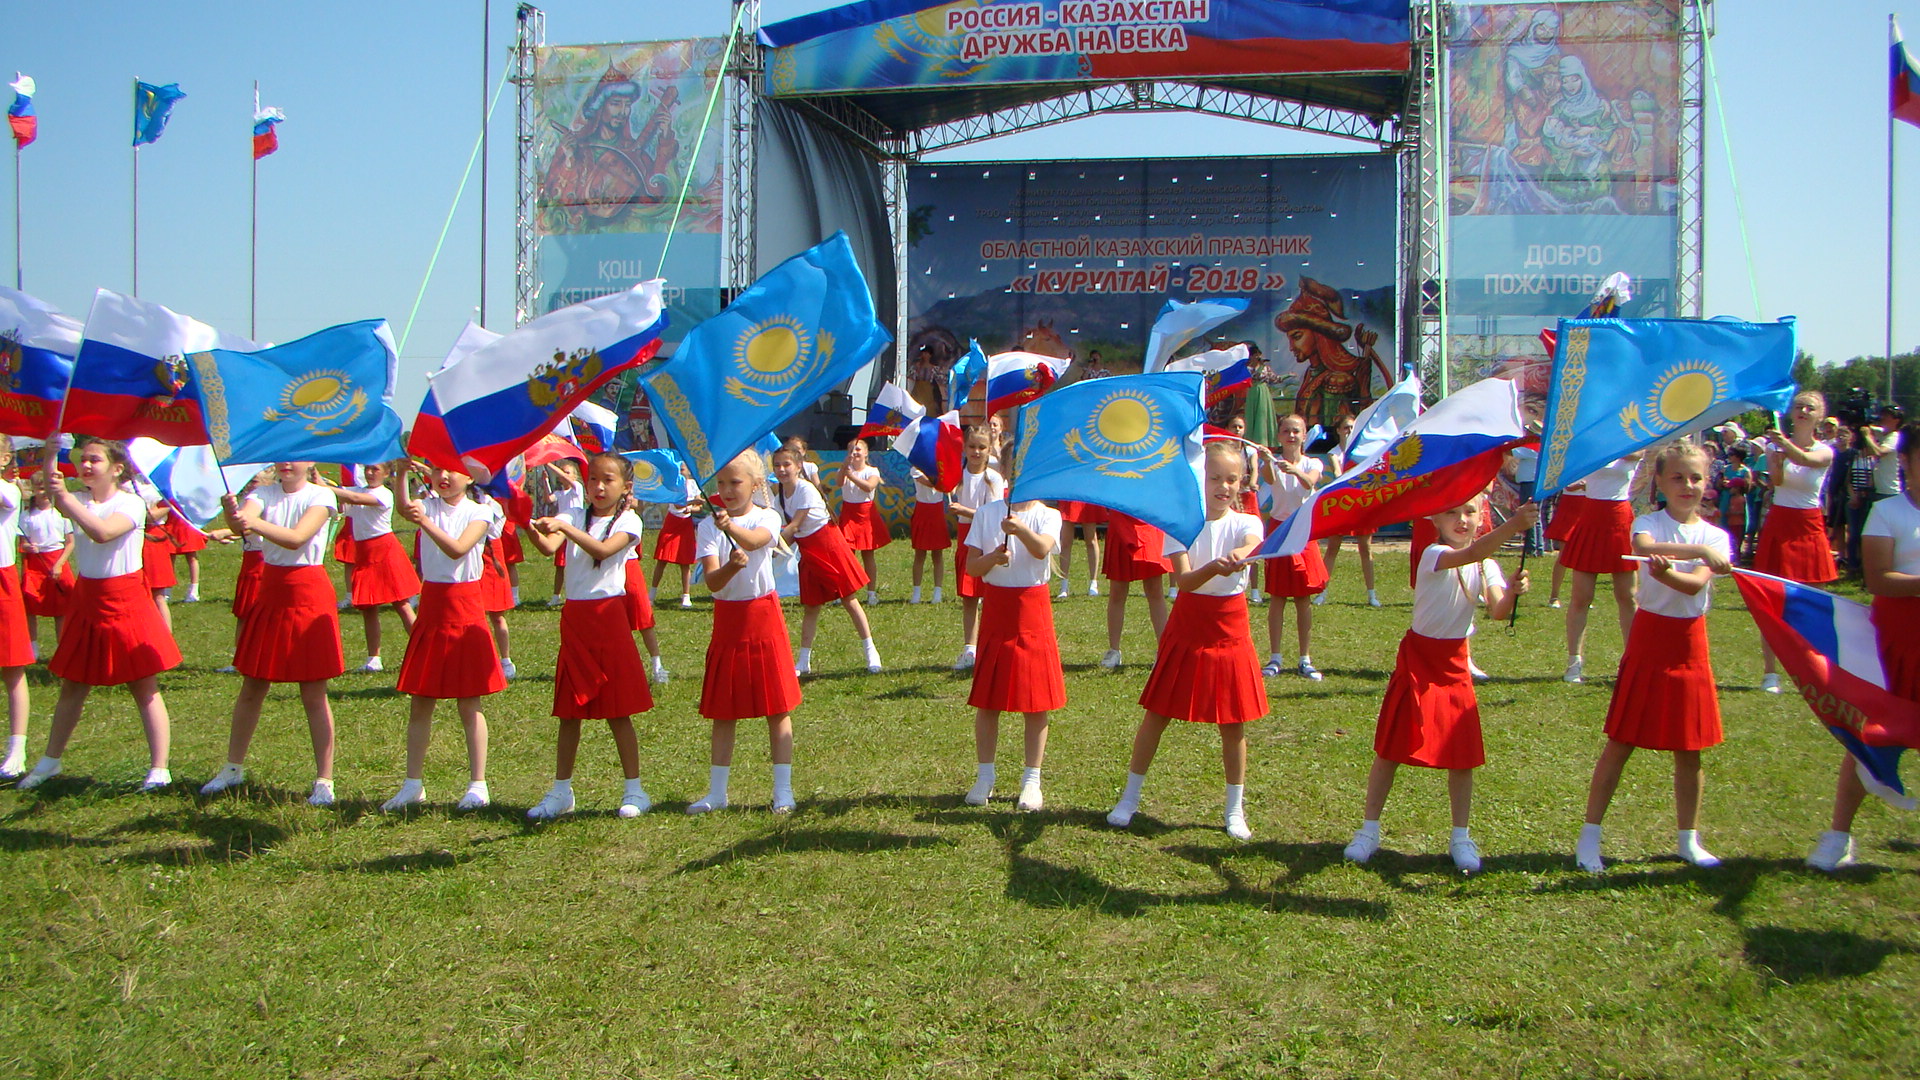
column 157, row 780
column 1697, row 855
column 226, row 669
column 1834, row 851
column 803, row 667
column 1576, row 668
column 373, row 665
column 782, row 802
column 11, row 768
column 1474, row 672
column 1361, row 847
column 39, row 774
column 1111, row 661
column 1587, row 856
column 965, row 661
column 915, row 598
column 936, row 594
column 555, row 803
column 632, row 806
column 507, row 669
column 1307, row 670
column 980, row 793
column 346, row 602
column 475, row 798
column 322, row 794
column 685, row 601
column 660, row 674
column 1093, row 588
column 707, row 804
column 192, row 597
column 1122, row 813
column 1273, row 667
column 1030, row 800
column 411, row 793
column 873, row 662
column 1064, row 593
column 229, row 776
column 1373, row 599
column 1319, row 598
column 556, row 600
column 872, row 597
column 1466, row 856
column 1770, row 682
column 1237, row 826
column 1553, row 603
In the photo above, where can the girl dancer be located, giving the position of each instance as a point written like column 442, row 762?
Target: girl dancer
column 1207, row 670
column 1018, row 666
column 929, row 534
column 569, row 496
column 1664, row 698
column 1793, row 538
column 1290, row 477
column 1087, row 518
column 188, row 542
column 294, row 633
column 1567, row 507
column 16, row 644
column 674, row 544
column 979, row 485
column 828, row 571
column 860, row 519
column 1598, row 545
column 46, row 555
column 156, row 553
column 749, row 662
column 496, row 586
column 114, row 634
column 639, row 603
column 1363, row 542
column 1430, row 716
column 381, row 575
column 597, row 675
column 451, row 652
column 1134, row 553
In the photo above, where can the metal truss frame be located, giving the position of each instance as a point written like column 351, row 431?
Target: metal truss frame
column 1696, row 24
column 743, row 92
column 1423, row 180
column 532, row 34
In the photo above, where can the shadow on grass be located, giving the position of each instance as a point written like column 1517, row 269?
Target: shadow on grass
column 1803, row 956
column 1729, row 884
column 43, row 839
column 222, row 838
column 837, row 841
column 412, row 862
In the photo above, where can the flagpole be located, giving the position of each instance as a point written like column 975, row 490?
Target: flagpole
column 136, row 193
column 253, row 241
column 19, row 281
column 1892, row 36
column 486, row 46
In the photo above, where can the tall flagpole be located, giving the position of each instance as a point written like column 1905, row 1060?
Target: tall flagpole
column 253, row 242
column 486, row 61
column 1893, row 35
column 18, row 281
column 136, row 190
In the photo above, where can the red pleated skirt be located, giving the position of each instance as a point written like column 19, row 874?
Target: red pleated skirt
column 1207, row 670
column 382, row 573
column 749, row 662
column 43, row 591
column 16, row 648
column 863, row 527
column 156, row 559
column 496, row 592
column 344, row 548
column 675, row 540
column 639, row 600
column 186, row 539
column 1895, row 619
column 1566, row 515
column 1250, row 502
column 1664, row 698
column 964, row 584
column 1793, row 545
column 247, row 584
column 1429, row 716
column 1602, row 536
column 1304, row 574
column 1017, row 660
column 598, row 674
column 512, row 551
column 929, row 527
column 1083, row 513
column 829, row 571
column 1424, row 534
column 294, row 634
column 1133, row 550
column 113, row 634
column 450, row 652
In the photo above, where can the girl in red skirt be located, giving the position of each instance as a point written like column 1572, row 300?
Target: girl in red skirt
column 597, row 675
column 979, row 485
column 496, row 582
column 1290, row 477
column 1793, row 537
column 640, row 605
column 1664, row 697
column 1429, row 716
column 1207, row 670
column 1566, row 514
column 16, row 644
column 1018, row 664
column 46, row 554
column 1601, row 540
column 828, row 571
column 114, row 635
column 188, row 542
column 343, row 549
column 749, row 661
column 673, row 546
column 928, row 531
column 569, row 498
column 294, row 633
column 156, row 555
column 1362, row 542
column 860, row 520
column 451, row 652
column 1135, row 552
column 1890, row 556
column 1087, row 518
column 381, row 575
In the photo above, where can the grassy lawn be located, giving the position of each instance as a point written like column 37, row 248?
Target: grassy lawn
column 885, row 929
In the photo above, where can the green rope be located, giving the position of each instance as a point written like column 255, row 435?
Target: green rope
column 1726, row 144
column 447, row 225
column 693, row 162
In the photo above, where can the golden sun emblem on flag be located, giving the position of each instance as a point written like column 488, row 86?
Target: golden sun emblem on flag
column 1679, row 396
column 1124, row 436
column 773, row 357
column 1392, row 468
column 326, row 402
column 644, row 473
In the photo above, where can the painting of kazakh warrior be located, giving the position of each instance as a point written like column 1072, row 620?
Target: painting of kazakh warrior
column 1337, row 381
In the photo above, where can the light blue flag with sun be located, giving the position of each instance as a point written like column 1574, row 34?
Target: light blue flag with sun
column 1130, row 443
column 326, row 397
column 1621, row 385
column 657, row 479
column 798, row 332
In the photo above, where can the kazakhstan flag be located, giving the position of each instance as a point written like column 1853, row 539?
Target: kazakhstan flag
column 1621, row 385
column 656, row 477
column 798, row 332
column 1131, row 443
column 325, row 397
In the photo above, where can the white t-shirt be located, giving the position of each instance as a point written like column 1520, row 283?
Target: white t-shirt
column 805, row 506
column 585, row 581
column 1664, row 600
column 45, row 530
column 1612, row 482
column 454, row 519
column 690, row 494
column 1899, row 520
column 924, row 492
column 1287, row 492
column 976, row 490
column 9, row 521
column 1022, row 569
column 1444, row 601
column 1886, row 468
column 1526, row 464
column 569, row 499
column 1223, row 535
column 277, row 506
column 849, row 491
column 754, row 579
column 119, row 556
column 1800, row 485
column 372, row 522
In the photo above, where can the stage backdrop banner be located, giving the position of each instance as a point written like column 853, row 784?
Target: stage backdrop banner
column 900, row 44
column 615, row 128
column 1076, row 259
column 1565, row 127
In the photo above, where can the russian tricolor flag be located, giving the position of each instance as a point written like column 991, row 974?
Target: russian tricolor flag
column 131, row 376
column 1906, row 82
column 265, row 139
column 1226, row 371
column 594, row 427
column 1015, row 378
column 429, row 440
column 188, row 477
column 1831, row 650
column 892, row 410
column 932, row 444
column 20, row 117
column 37, row 347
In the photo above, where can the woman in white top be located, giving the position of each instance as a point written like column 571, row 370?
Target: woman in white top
column 1599, row 544
column 16, row 640
column 294, row 634
column 860, row 520
column 381, row 574
column 828, row 571
column 115, row 635
column 1793, row 537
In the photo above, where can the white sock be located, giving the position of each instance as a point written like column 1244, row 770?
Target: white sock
column 479, row 787
column 1236, row 798
column 1590, row 834
column 1459, row 833
column 410, row 789
column 1029, row 776
column 323, row 782
column 867, row 644
column 803, row 658
column 1305, row 659
column 516, row 598
column 1370, row 827
column 1277, row 658
column 783, row 781
column 634, row 788
column 1135, row 781
column 16, row 745
column 564, row 786
column 46, row 766
column 984, row 774
column 717, row 782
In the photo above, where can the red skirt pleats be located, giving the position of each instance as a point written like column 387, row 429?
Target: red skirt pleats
column 639, row 601
column 964, row 584
column 450, row 653
column 1896, row 619
column 1601, row 539
column 496, row 592
column 1207, row 670
column 43, row 591
column 598, row 674
column 1429, row 715
column 113, row 634
column 675, row 540
column 929, row 527
column 16, row 648
column 294, row 634
column 1296, row 575
column 1017, row 665
column 512, row 551
column 749, row 662
column 156, row 559
column 1664, row 698
column 247, row 584
column 829, row 570
column 863, row 527
column 1133, row 550
column 1566, row 515
column 1083, row 513
column 382, row 573
column 1793, row 545
column 1250, row 502
column 186, row 539
column 344, row 548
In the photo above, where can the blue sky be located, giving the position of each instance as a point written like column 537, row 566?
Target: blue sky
column 383, row 104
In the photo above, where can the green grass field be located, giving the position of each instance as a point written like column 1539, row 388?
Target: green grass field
column 885, row 929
